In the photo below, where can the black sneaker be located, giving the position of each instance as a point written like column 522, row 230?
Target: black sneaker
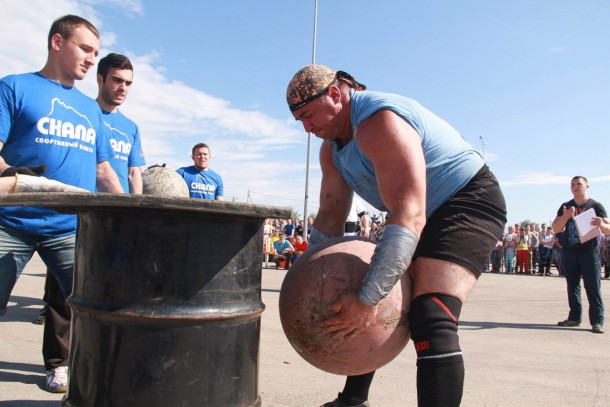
column 354, row 402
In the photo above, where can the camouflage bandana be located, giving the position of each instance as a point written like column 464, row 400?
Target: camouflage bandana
column 312, row 81
column 308, row 84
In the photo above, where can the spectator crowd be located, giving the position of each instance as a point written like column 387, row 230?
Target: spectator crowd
column 523, row 248
column 534, row 250
column 283, row 240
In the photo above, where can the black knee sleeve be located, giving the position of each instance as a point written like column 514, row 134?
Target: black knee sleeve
column 440, row 367
column 434, row 324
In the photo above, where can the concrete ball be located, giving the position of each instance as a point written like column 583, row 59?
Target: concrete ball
column 163, row 181
column 312, row 286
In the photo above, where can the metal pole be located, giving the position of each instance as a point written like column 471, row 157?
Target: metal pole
column 482, row 146
column 315, row 32
column 313, row 61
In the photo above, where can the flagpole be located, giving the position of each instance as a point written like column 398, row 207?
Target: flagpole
column 313, row 61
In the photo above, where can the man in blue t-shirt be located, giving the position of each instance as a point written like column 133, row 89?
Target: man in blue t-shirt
column 115, row 76
column 203, row 183
column 114, row 80
column 45, row 120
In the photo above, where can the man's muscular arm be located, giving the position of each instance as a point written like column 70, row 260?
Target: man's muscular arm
column 107, row 180
column 393, row 147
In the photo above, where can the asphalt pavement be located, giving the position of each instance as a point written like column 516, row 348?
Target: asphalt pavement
column 515, row 354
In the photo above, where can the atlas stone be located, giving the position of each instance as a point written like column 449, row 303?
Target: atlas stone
column 162, row 181
column 313, row 284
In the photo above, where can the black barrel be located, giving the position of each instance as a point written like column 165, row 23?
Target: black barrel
column 166, row 301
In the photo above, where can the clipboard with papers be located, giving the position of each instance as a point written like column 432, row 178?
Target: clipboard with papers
column 586, row 231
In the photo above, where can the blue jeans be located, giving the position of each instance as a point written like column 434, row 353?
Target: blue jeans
column 17, row 248
column 586, row 265
column 510, row 258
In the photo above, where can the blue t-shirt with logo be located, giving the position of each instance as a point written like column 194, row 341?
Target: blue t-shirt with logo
column 126, row 143
column 44, row 122
column 203, row 184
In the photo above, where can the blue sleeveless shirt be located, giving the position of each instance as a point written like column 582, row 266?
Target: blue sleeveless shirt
column 450, row 161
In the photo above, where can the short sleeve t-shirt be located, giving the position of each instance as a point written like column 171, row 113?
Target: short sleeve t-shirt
column 202, row 184
column 571, row 242
column 126, row 144
column 44, row 122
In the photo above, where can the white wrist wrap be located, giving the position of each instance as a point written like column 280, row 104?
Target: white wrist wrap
column 28, row 183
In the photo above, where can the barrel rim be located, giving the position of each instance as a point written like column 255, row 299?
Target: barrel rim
column 153, row 312
column 73, row 202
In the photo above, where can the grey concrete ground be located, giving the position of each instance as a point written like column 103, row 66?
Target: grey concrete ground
column 515, row 354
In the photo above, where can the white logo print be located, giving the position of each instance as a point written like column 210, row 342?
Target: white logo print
column 119, row 146
column 50, row 126
column 202, row 186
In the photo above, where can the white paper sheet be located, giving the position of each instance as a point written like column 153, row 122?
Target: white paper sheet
column 586, row 231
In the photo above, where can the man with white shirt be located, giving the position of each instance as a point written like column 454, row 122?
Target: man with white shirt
column 357, row 213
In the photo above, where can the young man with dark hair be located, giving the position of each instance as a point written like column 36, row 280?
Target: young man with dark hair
column 114, row 80
column 45, row 120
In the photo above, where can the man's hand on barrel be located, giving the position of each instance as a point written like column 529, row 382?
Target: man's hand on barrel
column 353, row 316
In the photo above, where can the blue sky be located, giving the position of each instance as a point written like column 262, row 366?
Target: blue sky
column 531, row 77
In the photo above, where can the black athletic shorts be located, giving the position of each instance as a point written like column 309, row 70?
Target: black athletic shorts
column 466, row 228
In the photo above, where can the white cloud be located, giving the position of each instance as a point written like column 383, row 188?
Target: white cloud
column 130, row 7
column 167, row 110
column 535, row 178
column 25, row 27
column 544, row 178
column 604, row 178
column 108, row 39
